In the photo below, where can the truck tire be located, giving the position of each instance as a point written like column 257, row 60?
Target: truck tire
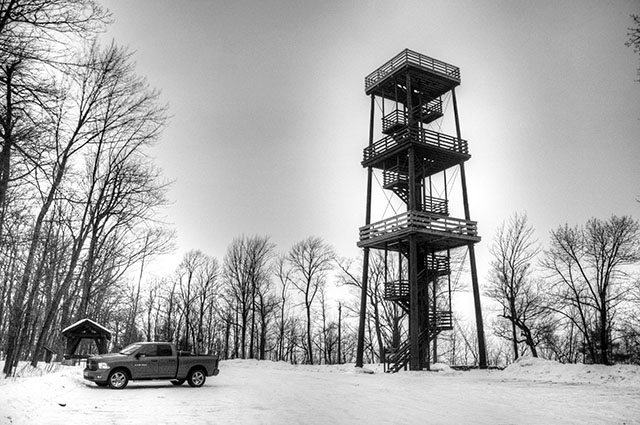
column 177, row 381
column 196, row 377
column 118, row 379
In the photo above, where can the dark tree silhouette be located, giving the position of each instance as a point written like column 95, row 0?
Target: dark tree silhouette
column 310, row 261
column 634, row 37
column 588, row 266
column 510, row 283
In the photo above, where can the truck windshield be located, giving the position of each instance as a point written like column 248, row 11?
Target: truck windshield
column 129, row 349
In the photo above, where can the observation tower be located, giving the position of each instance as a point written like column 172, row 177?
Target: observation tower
column 413, row 161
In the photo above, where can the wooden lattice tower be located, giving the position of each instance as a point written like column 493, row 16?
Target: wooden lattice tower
column 411, row 157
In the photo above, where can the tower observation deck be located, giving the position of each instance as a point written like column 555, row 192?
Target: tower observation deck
column 411, row 157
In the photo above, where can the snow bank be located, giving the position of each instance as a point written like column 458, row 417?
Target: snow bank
column 536, row 369
column 25, row 370
column 49, row 384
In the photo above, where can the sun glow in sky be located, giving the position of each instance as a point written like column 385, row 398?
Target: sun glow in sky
column 269, row 115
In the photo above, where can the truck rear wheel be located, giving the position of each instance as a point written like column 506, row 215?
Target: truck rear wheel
column 196, row 378
column 118, row 379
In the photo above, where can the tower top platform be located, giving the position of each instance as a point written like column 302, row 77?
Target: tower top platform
column 429, row 76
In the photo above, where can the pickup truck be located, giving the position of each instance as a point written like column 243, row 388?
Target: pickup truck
column 150, row 360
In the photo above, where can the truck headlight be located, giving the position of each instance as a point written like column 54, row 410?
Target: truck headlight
column 102, row 365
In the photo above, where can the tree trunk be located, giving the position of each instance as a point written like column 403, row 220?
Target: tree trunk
column 529, row 339
column 5, row 154
column 604, row 340
column 308, row 305
column 377, row 327
column 514, row 334
column 339, row 333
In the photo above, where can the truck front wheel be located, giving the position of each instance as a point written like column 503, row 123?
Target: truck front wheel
column 196, row 378
column 118, row 379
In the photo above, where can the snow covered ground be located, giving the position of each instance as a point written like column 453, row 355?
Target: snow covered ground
column 530, row 391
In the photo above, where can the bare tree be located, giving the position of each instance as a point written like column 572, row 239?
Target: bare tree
column 197, row 289
column 152, row 310
column 34, row 39
column 238, row 287
column 326, row 344
column 634, row 37
column 510, row 282
column 385, row 317
column 206, row 303
column 588, row 266
column 122, row 190
column 310, row 260
column 266, row 304
column 259, row 252
column 283, row 277
column 246, row 274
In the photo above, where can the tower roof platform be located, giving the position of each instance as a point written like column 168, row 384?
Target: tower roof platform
column 429, row 76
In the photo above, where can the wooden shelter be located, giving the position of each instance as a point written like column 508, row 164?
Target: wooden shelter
column 85, row 329
column 413, row 160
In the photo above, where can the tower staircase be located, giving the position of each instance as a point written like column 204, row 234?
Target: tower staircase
column 398, row 358
column 397, row 291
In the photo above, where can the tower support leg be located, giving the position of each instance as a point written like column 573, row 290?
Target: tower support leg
column 415, row 360
column 365, row 261
column 482, row 349
column 363, row 310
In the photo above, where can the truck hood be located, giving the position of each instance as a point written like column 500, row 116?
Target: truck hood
column 107, row 357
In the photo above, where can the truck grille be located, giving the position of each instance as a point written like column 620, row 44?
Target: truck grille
column 92, row 364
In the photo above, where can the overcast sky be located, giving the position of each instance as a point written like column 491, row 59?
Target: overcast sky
column 269, row 115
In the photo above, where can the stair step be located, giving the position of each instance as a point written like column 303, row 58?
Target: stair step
column 400, row 357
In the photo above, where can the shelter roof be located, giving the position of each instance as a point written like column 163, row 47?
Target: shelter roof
column 88, row 327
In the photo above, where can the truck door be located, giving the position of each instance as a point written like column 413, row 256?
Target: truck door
column 167, row 361
column 146, row 363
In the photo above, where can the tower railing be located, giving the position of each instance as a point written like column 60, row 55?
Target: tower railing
column 436, row 205
column 418, row 221
column 409, row 57
column 428, row 112
column 394, row 120
column 441, row 320
column 421, row 136
column 439, row 264
column 397, row 118
column 396, row 289
column 394, row 176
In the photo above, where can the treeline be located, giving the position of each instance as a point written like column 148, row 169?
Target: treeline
column 253, row 304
